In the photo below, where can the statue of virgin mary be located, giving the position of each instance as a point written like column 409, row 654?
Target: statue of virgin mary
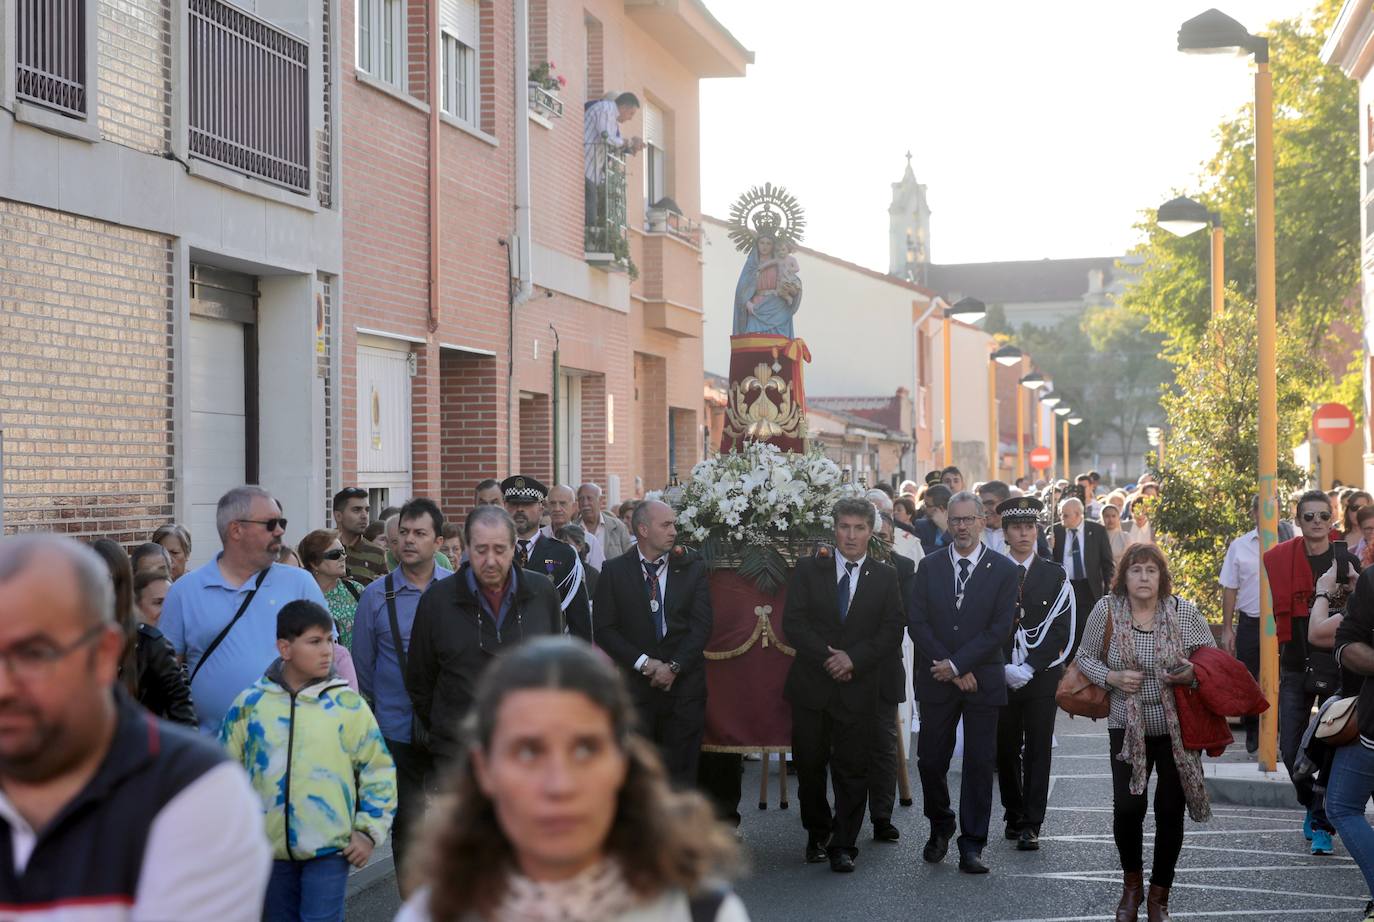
column 769, row 289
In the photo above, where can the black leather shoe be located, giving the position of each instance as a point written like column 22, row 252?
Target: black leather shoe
column 936, row 848
column 1028, row 841
column 1011, row 833
column 886, row 833
column 815, row 852
column 1251, row 741
column 841, row 863
column 970, row 863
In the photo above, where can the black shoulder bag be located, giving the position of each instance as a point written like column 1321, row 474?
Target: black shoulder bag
column 243, row 607
column 419, row 734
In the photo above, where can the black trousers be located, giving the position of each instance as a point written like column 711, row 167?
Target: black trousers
column 1024, row 776
column 1295, row 713
column 837, row 739
column 882, row 766
column 1128, row 810
column 414, row 773
column 1083, row 600
column 720, row 776
column 676, row 723
column 935, row 749
column 1248, row 652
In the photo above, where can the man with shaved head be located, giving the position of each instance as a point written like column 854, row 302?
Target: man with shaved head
column 101, row 804
column 653, row 616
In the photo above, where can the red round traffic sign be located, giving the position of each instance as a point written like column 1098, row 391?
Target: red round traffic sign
column 1040, row 458
column 1333, row 422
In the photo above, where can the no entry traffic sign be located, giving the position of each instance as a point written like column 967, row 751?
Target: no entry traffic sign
column 1333, row 422
column 1040, row 458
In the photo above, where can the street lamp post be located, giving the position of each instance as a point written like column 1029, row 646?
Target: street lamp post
column 1070, row 421
column 966, row 310
column 1183, row 216
column 1061, row 411
column 1032, row 382
column 1215, row 32
column 1052, row 400
column 1008, row 356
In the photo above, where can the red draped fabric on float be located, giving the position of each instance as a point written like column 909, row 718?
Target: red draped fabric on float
column 747, row 662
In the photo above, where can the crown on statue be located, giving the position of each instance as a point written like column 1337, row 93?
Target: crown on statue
column 766, row 211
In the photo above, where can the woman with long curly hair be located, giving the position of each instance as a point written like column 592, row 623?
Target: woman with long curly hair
column 558, row 810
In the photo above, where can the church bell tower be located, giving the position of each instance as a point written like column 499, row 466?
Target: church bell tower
column 909, row 229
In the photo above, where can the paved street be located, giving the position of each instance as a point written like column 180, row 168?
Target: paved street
column 1245, row 863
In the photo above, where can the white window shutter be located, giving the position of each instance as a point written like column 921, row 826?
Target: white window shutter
column 460, row 18
column 653, row 126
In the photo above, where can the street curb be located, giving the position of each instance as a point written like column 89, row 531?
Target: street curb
column 380, row 868
column 1256, row 792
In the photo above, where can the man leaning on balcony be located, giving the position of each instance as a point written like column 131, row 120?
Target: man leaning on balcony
column 601, row 120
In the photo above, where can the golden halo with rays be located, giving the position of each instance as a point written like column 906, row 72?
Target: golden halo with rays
column 766, row 209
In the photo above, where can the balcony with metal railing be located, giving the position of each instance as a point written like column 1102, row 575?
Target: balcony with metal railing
column 606, row 243
column 248, row 95
column 50, row 54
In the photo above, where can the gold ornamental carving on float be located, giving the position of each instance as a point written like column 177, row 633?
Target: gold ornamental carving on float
column 762, row 406
column 763, row 630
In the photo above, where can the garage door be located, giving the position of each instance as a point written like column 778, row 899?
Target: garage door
column 216, row 425
column 384, row 421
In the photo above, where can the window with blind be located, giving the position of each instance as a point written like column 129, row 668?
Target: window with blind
column 382, row 40
column 655, row 155
column 461, row 40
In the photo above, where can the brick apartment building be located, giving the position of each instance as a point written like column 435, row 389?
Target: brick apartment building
column 170, row 251
column 574, row 371
column 293, row 242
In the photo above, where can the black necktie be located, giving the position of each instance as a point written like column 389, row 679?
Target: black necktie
column 522, row 554
column 845, row 595
column 961, row 581
column 655, row 600
column 1079, row 571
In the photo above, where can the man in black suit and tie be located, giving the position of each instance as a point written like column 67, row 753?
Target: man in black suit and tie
column 1035, row 652
column 963, row 603
column 524, row 498
column 1083, row 549
column 844, row 617
column 653, row 617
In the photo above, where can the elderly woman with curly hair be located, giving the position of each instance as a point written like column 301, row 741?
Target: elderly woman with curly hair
column 558, row 810
column 1152, row 635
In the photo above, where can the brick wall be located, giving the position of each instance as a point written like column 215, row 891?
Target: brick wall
column 596, row 57
column 536, row 438
column 539, row 32
column 470, row 409
column 594, row 429
column 424, row 423
column 135, row 70
column 417, row 49
column 85, row 375
column 651, row 402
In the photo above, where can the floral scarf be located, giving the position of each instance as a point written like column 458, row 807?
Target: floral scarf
column 1169, row 653
column 597, row 894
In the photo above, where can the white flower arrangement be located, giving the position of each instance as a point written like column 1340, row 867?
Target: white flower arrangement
column 760, row 497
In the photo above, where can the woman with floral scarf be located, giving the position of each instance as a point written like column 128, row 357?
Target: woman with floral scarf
column 1153, row 632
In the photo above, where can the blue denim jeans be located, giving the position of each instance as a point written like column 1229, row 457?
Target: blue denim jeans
column 1295, row 712
column 307, row 891
column 1347, row 791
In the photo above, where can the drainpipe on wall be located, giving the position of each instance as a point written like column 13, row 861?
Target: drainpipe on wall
column 434, row 103
column 524, row 229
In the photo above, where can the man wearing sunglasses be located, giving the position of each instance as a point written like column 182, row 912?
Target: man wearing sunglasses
column 222, row 617
column 105, row 813
column 1307, row 674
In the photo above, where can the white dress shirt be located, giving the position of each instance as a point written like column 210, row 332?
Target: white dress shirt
column 662, row 596
column 853, row 577
column 995, row 539
column 1240, row 571
column 1073, row 537
column 972, row 557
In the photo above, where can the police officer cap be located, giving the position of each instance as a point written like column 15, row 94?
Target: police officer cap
column 1020, row 509
column 521, row 489
column 932, row 478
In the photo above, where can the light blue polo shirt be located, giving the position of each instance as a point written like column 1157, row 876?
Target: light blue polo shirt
column 197, row 608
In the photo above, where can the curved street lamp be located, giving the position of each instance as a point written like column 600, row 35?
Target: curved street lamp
column 1008, row 356
column 1215, row 32
column 965, row 310
column 1051, row 399
column 1183, row 216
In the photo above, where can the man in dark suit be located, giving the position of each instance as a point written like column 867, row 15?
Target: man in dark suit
column 653, row 617
column 1035, row 652
column 932, row 529
column 1083, row 549
column 844, row 617
column 524, row 497
column 961, row 613
column 884, row 763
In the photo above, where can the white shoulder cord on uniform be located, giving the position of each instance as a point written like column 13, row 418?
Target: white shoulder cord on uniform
column 1028, row 639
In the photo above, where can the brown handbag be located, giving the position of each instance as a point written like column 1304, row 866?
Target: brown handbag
column 1079, row 696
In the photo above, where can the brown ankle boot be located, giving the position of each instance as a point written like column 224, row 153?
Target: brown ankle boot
column 1132, row 895
column 1157, row 906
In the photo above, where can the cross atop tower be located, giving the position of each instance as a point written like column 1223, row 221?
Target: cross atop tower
column 908, row 228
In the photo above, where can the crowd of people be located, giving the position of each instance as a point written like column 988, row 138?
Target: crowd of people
column 436, row 684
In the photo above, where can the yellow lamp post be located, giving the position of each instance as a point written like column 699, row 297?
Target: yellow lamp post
column 1061, row 411
column 965, row 310
column 1183, row 216
column 1031, row 382
column 1052, row 400
column 1006, row 356
column 1071, row 420
column 1215, row 32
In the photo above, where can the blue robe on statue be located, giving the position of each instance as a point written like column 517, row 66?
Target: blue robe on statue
column 773, row 314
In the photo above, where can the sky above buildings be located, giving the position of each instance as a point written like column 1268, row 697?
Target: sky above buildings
column 1040, row 129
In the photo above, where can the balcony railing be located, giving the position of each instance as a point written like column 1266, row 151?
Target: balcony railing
column 249, row 95
column 50, row 52
column 606, row 242
column 545, row 103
